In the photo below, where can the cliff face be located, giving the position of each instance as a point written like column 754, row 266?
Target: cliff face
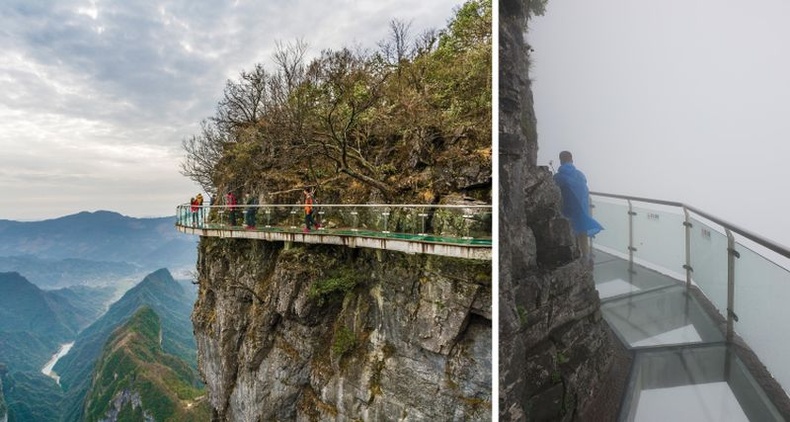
column 329, row 333
column 555, row 347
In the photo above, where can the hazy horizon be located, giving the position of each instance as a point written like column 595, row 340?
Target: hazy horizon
column 680, row 101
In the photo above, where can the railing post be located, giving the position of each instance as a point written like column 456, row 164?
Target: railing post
column 731, row 255
column 386, row 215
column 422, row 215
column 631, row 247
column 689, row 269
column 355, row 215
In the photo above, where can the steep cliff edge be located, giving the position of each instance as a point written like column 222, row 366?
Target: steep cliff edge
column 555, row 349
column 330, row 333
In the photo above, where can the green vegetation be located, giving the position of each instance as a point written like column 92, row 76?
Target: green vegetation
column 523, row 317
column 408, row 122
column 134, row 365
column 345, row 341
column 33, row 324
column 168, row 300
column 336, row 286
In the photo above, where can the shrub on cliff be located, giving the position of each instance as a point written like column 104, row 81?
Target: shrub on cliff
column 411, row 121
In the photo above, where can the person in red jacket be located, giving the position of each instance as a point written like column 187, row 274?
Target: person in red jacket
column 193, row 208
column 230, row 201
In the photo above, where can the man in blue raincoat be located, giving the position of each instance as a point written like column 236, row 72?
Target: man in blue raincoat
column 576, row 202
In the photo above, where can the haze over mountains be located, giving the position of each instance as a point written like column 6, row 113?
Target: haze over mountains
column 93, row 248
column 58, row 279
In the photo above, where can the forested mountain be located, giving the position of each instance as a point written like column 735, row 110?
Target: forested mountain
column 135, row 379
column 33, row 324
column 92, row 248
column 160, row 292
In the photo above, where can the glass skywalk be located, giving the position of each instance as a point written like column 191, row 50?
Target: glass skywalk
column 683, row 369
column 695, row 307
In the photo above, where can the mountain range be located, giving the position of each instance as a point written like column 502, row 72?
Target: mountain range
column 34, row 322
column 159, row 291
column 93, row 248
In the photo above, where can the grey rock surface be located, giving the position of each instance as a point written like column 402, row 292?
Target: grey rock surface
column 554, row 345
column 330, row 333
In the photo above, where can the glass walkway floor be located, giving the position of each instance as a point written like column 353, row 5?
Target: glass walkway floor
column 683, row 369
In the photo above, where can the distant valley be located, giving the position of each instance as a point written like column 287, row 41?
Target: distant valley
column 79, row 279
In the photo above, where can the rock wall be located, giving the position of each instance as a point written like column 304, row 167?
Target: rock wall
column 334, row 333
column 554, row 346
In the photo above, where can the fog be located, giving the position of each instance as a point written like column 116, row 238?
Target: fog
column 678, row 100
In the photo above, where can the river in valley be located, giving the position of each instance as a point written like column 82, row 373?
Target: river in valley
column 47, row 369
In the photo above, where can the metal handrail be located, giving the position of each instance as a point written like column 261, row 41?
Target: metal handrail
column 769, row 244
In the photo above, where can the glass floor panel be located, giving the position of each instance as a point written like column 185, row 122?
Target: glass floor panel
column 714, row 402
column 660, row 317
column 706, row 383
column 682, row 370
column 612, row 278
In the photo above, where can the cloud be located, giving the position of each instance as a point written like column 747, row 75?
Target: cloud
column 96, row 96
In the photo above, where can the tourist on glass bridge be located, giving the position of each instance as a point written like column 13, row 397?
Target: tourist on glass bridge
column 576, row 202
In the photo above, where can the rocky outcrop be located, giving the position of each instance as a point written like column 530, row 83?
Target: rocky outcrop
column 125, row 397
column 333, row 333
column 554, row 345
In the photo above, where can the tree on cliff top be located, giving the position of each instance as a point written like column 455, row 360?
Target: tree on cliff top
column 395, row 124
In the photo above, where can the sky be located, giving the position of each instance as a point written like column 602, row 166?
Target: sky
column 681, row 100
column 97, row 96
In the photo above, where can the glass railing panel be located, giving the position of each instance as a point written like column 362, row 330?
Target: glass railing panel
column 762, row 289
column 660, row 238
column 455, row 224
column 709, row 262
column 613, row 216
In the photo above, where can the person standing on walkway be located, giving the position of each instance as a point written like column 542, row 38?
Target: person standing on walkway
column 251, row 211
column 193, row 210
column 230, row 202
column 201, row 212
column 309, row 222
column 576, row 202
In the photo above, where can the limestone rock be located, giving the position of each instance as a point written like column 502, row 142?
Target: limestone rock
column 329, row 333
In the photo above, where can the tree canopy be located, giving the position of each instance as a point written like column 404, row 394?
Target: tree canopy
column 410, row 121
